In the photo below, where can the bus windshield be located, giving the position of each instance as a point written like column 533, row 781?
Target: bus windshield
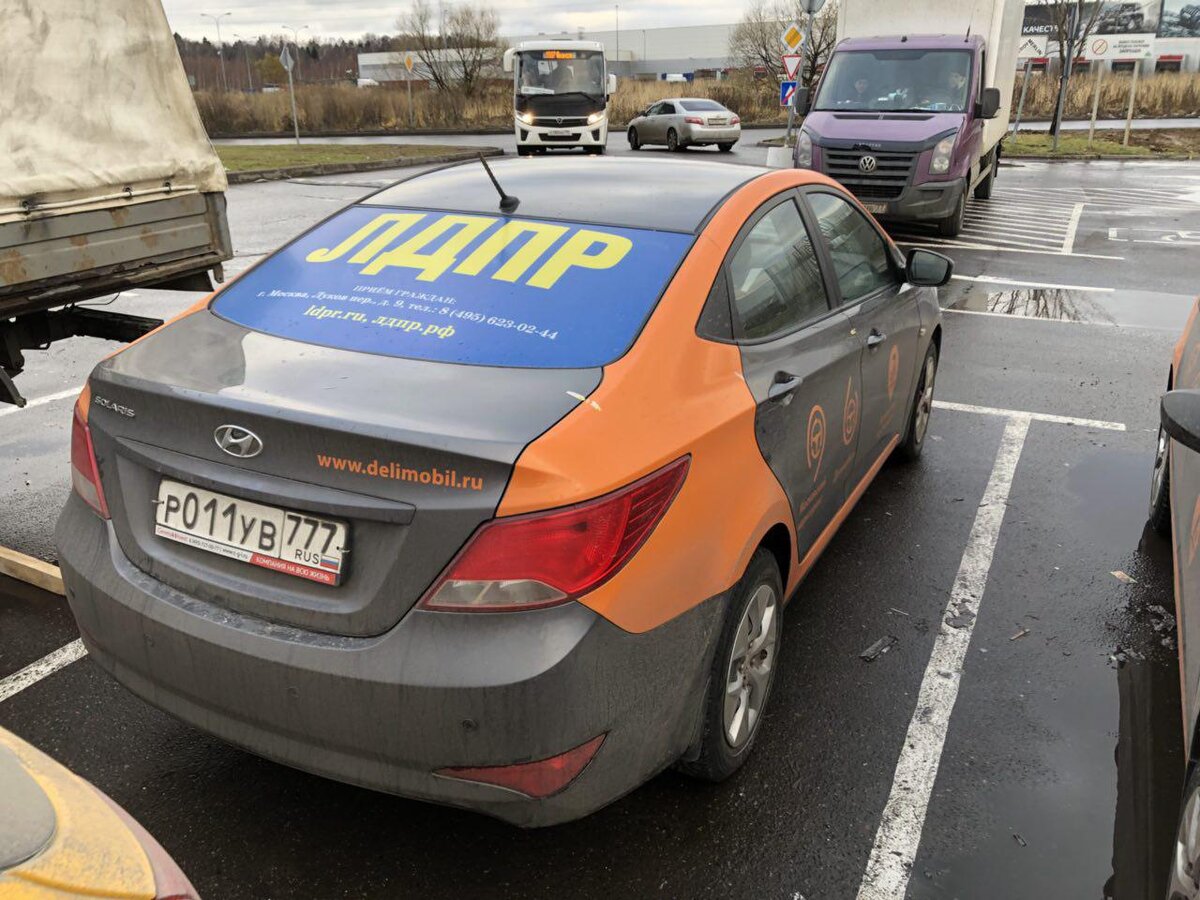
column 896, row 81
column 560, row 72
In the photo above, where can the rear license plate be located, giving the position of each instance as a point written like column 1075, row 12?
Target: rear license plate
column 876, row 208
column 277, row 539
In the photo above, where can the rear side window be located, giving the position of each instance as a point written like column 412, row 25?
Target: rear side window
column 860, row 257
column 668, row 109
column 774, row 276
column 460, row 288
column 701, row 106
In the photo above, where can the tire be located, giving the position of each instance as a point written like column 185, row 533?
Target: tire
column 725, row 148
column 524, row 151
column 983, row 190
column 673, row 141
column 952, row 225
column 1160, row 486
column 635, row 143
column 910, row 446
column 760, row 589
column 1183, row 882
column 593, row 151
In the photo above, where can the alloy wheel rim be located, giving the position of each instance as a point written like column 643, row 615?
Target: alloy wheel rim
column 751, row 666
column 1185, row 869
column 1160, row 468
column 924, row 400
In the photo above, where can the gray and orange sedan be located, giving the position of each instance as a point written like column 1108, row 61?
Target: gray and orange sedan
column 496, row 501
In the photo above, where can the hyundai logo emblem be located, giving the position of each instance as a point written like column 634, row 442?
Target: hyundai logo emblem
column 238, row 441
column 867, row 164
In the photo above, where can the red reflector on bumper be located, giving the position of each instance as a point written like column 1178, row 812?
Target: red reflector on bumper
column 542, row 778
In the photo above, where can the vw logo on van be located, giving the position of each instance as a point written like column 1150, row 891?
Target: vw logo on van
column 867, row 164
column 238, row 441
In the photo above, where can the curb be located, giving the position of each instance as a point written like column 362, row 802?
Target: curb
column 31, row 571
column 373, row 165
column 614, row 128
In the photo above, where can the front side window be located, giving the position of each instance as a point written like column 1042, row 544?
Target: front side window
column 861, row 259
column 774, row 276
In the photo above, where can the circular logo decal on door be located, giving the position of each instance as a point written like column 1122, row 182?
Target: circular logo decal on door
column 816, row 439
column 850, row 412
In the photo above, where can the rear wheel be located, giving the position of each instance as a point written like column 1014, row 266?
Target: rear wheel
column 743, row 671
column 673, row 141
column 913, row 442
column 1160, row 486
column 1185, row 863
column 724, row 148
column 952, row 225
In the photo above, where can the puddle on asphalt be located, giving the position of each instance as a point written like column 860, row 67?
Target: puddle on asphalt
column 1147, row 309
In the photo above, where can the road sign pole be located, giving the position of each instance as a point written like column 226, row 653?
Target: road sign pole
column 1024, row 91
column 1095, row 105
column 1137, row 67
column 295, row 119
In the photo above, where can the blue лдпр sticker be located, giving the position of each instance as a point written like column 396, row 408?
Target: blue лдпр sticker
column 461, row 288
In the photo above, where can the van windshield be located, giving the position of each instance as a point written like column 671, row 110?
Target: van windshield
column 896, row 81
column 560, row 72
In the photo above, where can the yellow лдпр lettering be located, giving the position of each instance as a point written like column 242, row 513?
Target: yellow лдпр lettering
column 543, row 235
column 434, row 264
column 574, row 254
column 400, row 222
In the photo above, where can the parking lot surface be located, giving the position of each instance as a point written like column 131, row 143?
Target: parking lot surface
column 1049, row 767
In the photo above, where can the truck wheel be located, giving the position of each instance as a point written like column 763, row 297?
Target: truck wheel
column 673, row 141
column 635, row 143
column 952, row 225
column 983, row 190
column 1160, row 487
column 743, row 670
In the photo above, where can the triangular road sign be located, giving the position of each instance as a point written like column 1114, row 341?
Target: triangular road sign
column 791, row 65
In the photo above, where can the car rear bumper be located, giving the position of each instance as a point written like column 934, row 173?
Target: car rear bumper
column 385, row 712
column 704, row 134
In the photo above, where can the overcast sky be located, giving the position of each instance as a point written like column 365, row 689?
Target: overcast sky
column 351, row 18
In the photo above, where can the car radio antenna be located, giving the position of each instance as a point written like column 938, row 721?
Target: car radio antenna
column 508, row 203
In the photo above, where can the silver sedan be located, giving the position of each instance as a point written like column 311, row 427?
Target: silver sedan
column 686, row 122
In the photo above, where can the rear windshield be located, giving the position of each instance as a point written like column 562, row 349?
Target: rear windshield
column 701, row 105
column 458, row 288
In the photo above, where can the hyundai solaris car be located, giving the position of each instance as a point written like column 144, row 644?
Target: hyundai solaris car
column 500, row 509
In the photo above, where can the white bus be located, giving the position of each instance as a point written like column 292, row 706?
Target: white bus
column 560, row 95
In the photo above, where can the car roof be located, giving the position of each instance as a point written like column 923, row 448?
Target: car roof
column 658, row 194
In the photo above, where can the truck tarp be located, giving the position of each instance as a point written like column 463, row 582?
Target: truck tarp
column 94, row 102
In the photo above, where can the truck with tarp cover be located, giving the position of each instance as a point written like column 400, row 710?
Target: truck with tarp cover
column 107, row 177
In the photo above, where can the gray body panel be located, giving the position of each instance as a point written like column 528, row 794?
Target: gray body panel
column 385, row 711
column 27, row 820
column 307, row 403
column 48, row 260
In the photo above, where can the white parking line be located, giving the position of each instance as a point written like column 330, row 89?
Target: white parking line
column 899, row 834
column 49, row 398
column 1025, row 414
column 1072, row 227
column 996, row 279
column 47, row 665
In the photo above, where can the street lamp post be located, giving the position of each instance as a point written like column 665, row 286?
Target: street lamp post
column 220, row 47
column 296, row 41
column 246, row 56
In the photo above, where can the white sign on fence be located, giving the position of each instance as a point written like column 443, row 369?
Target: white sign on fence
column 1119, row 46
column 1033, row 46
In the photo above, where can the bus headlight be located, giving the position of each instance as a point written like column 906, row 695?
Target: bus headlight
column 526, row 117
column 595, row 117
column 804, row 151
column 940, row 164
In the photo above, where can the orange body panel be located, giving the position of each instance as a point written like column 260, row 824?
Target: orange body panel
column 672, row 394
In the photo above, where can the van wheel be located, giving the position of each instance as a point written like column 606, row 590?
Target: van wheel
column 673, row 141
column 952, row 225
column 743, row 670
column 983, row 190
column 913, row 441
column 1160, row 486
column 635, row 143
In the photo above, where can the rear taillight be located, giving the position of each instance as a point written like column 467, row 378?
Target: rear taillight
column 542, row 778
column 85, row 477
column 693, row 120
column 543, row 559
column 735, row 121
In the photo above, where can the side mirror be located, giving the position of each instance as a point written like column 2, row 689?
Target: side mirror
column 612, row 84
column 1180, row 413
column 989, row 104
column 800, row 100
column 924, row 268
column 508, row 59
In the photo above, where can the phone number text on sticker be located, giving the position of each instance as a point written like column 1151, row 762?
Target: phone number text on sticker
column 448, row 287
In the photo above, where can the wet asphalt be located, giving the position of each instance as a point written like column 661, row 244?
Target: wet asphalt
column 1061, row 768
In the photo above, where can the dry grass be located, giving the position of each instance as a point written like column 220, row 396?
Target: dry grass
column 253, row 158
column 345, row 108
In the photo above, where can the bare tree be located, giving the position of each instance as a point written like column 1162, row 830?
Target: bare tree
column 755, row 41
column 1071, row 24
column 456, row 48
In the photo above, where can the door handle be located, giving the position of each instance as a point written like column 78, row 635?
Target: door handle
column 875, row 338
column 784, row 384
